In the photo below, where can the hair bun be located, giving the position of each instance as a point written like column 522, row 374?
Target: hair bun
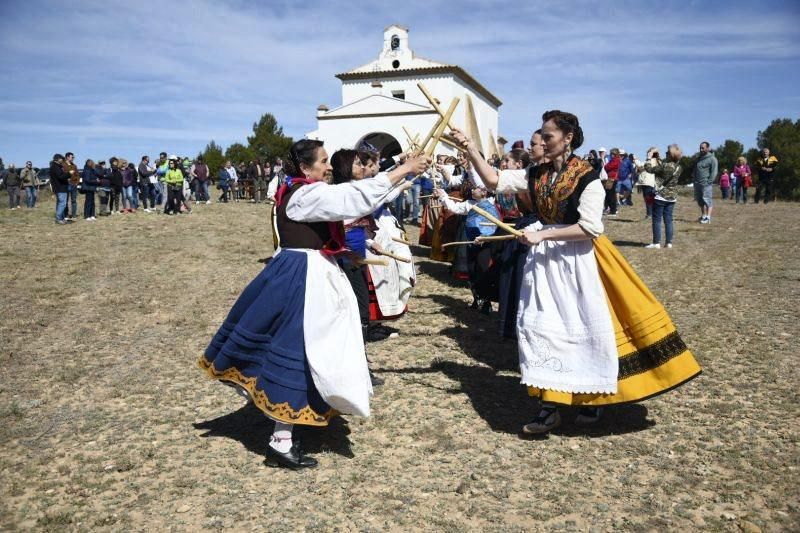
column 577, row 138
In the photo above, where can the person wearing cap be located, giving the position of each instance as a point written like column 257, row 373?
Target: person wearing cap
column 30, row 182
column 59, row 181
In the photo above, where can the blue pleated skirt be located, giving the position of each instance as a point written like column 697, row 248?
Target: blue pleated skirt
column 511, row 265
column 261, row 345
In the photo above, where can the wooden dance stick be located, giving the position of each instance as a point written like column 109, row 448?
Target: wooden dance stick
column 496, row 238
column 413, row 141
column 457, row 243
column 423, row 146
column 498, row 223
column 401, row 241
column 376, row 262
column 486, row 223
column 457, row 146
column 434, row 196
column 433, row 103
column 440, row 130
column 395, row 256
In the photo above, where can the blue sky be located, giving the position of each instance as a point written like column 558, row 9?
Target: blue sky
column 103, row 78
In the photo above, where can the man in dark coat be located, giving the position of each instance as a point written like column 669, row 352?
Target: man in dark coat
column 59, row 181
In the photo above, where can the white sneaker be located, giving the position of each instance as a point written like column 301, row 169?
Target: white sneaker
column 654, row 246
column 548, row 418
column 208, row 202
column 588, row 415
column 669, row 245
column 706, row 221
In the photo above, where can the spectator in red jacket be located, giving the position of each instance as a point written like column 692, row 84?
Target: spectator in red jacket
column 612, row 169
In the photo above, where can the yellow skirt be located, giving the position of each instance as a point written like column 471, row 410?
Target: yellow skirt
column 652, row 357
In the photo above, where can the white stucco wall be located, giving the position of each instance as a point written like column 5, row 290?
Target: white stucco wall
column 345, row 132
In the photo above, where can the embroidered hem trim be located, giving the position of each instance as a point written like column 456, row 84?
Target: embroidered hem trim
column 651, row 357
column 282, row 412
column 607, row 388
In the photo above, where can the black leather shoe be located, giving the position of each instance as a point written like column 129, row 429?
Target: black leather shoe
column 294, row 459
column 376, row 381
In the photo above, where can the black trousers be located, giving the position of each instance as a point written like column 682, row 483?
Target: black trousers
column 357, row 275
column 765, row 189
column 113, row 200
column 611, row 199
column 174, row 195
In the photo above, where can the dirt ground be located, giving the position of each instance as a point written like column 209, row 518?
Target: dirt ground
column 107, row 423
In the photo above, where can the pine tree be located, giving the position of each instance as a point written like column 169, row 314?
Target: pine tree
column 268, row 140
column 214, row 158
column 239, row 153
column 782, row 137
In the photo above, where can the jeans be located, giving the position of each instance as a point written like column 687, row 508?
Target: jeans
column 88, row 205
column 129, row 197
column 72, row 190
column 159, row 190
column 725, row 192
column 399, row 207
column 61, row 206
column 741, row 193
column 31, row 194
column 662, row 209
column 415, row 194
column 202, row 191
column 647, row 193
column 148, row 193
column 13, row 196
column 224, row 196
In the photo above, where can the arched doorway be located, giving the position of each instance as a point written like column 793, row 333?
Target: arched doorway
column 383, row 142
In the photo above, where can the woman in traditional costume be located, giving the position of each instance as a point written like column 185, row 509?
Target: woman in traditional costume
column 447, row 224
column 589, row 331
column 293, row 338
column 390, row 286
column 511, row 262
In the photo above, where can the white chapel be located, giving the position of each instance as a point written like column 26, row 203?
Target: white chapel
column 382, row 98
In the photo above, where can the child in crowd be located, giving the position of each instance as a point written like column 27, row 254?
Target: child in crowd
column 725, row 184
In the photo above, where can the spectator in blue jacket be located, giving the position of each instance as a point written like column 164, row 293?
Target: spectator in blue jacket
column 223, row 184
column 625, row 177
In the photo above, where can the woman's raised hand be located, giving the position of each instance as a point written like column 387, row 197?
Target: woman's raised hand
column 416, row 165
column 462, row 138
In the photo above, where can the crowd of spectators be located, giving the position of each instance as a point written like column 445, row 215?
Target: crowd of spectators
column 167, row 185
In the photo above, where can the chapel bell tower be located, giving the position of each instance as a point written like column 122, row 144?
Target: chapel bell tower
column 395, row 54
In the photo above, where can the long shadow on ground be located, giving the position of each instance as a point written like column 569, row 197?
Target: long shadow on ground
column 249, row 426
column 632, row 244
column 477, row 334
column 504, row 404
